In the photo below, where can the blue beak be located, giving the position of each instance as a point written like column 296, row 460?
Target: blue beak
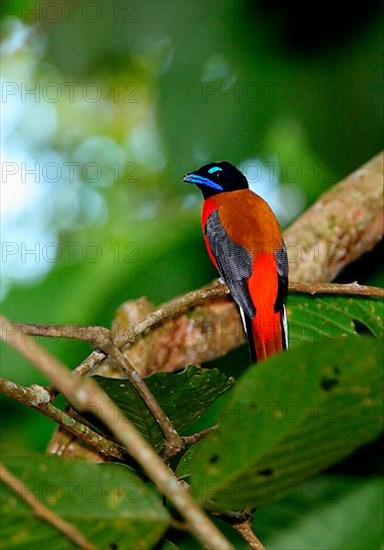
column 192, row 177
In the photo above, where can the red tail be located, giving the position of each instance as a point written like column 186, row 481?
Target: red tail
column 267, row 331
column 266, row 337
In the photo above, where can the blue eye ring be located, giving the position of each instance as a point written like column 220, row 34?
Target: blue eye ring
column 215, row 169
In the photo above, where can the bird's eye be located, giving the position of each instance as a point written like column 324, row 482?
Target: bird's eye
column 215, row 173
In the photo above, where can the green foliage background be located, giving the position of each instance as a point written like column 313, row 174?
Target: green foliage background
column 182, row 82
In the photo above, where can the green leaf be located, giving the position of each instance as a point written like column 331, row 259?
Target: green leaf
column 183, row 396
column 335, row 512
column 287, row 419
column 109, row 504
column 185, row 541
column 325, row 318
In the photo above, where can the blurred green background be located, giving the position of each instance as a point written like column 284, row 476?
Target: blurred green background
column 105, row 105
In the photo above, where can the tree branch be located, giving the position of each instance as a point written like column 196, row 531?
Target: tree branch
column 345, row 222
column 36, row 397
column 89, row 364
column 43, row 512
column 101, row 338
column 351, row 289
column 216, row 289
column 167, row 339
column 84, row 394
column 172, row 308
column 245, row 529
column 202, row 328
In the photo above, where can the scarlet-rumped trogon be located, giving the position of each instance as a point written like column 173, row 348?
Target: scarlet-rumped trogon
column 244, row 242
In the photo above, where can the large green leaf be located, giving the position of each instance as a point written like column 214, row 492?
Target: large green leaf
column 110, row 505
column 287, row 419
column 183, row 396
column 326, row 318
column 330, row 511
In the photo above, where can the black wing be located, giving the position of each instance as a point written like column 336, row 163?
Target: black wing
column 282, row 290
column 233, row 261
column 282, row 272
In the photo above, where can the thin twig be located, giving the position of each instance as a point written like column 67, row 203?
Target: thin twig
column 201, row 330
column 173, row 441
column 36, row 397
column 216, row 289
column 84, row 394
column 173, row 308
column 353, row 289
column 198, row 436
column 245, row 529
column 43, row 512
column 177, row 307
column 184, row 303
column 89, row 364
column 101, row 338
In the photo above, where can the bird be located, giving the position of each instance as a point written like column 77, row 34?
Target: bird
column 245, row 243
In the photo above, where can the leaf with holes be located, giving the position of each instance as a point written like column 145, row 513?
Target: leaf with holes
column 109, row 503
column 287, row 419
column 325, row 319
column 183, row 396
